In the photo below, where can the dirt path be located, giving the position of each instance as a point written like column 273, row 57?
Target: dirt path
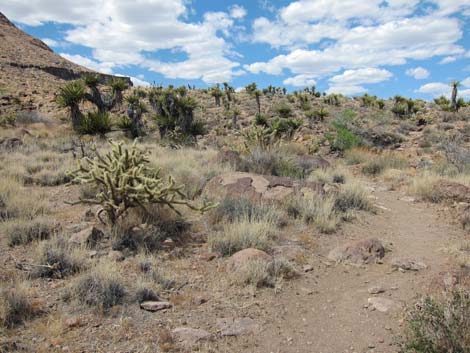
column 326, row 310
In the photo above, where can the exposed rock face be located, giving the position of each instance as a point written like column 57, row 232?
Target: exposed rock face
column 358, row 252
column 258, row 187
column 238, row 260
column 453, row 191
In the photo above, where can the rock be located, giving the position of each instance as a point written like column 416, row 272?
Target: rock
column 407, row 264
column 358, row 252
column 155, row 306
column 89, row 237
column 450, row 190
column 381, row 304
column 10, row 143
column 228, row 156
column 188, row 336
column 258, row 187
column 291, row 252
column 307, row 268
column 237, row 326
column 376, row 290
column 309, row 163
column 238, row 260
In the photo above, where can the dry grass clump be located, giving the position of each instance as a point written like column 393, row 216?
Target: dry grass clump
column 424, row 187
column 243, row 233
column 379, row 163
column 23, row 231
column 330, row 176
column 358, row 156
column 232, row 209
column 55, row 258
column 15, row 306
column 352, row 197
column 102, row 287
column 265, row 274
column 191, row 167
column 315, row 209
column 18, row 202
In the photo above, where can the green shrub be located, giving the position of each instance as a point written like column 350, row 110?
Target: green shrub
column 95, row 123
column 344, row 139
column 438, row 326
column 284, row 110
column 261, row 120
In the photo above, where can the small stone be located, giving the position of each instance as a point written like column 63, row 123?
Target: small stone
column 89, row 237
column 381, row 304
column 307, row 268
column 371, row 346
column 376, row 290
column 406, row 264
column 155, row 306
column 73, row 321
column 237, row 326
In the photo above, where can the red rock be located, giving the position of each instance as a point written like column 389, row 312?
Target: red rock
column 155, row 306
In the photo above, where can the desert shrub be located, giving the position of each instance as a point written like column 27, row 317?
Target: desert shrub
column 424, row 187
column 15, row 202
column 271, row 162
column 26, row 117
column 352, row 197
column 437, row 326
column 284, row 110
column 233, row 209
column 329, row 176
column 162, row 279
column 15, row 306
column 143, row 293
column 378, row 164
column 265, row 274
column 315, row 209
column 285, row 127
column 7, row 120
column 95, row 123
column 56, row 259
column 243, row 234
column 343, row 140
column 261, row 120
column 102, row 287
column 22, row 231
column 126, row 181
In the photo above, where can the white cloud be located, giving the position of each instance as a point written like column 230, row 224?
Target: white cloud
column 465, row 82
column 390, row 43
column 346, row 89
column 447, row 60
column 237, row 12
column 300, row 81
column 356, row 77
column 123, row 32
column 50, row 42
column 419, row 73
column 436, row 89
column 103, row 67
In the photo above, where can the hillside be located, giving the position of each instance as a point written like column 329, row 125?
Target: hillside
column 30, row 72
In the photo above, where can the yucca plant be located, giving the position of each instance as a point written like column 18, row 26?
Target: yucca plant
column 118, row 85
column 70, row 97
column 217, row 94
column 92, row 81
column 453, row 100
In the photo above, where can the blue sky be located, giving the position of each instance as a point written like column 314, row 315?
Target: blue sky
column 409, row 47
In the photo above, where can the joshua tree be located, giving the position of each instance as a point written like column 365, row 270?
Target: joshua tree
column 118, row 85
column 135, row 109
column 453, row 101
column 217, row 94
column 235, row 114
column 70, row 97
column 92, row 81
column 257, row 94
column 228, row 91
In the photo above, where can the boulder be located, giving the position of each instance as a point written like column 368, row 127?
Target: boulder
column 358, row 252
column 188, row 337
column 291, row 252
column 237, row 326
column 155, row 305
column 406, row 264
column 89, row 237
column 453, row 191
column 238, row 260
column 258, row 187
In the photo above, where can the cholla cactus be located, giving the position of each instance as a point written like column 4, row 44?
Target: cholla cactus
column 126, row 181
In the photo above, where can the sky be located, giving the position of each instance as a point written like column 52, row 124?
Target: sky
column 414, row 48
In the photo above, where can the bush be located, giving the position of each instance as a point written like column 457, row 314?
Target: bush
column 56, row 259
column 265, row 274
column 22, row 231
column 380, row 163
column 234, row 209
column 344, row 140
column 95, row 123
column 15, row 307
column 284, row 110
column 243, row 234
column 440, row 326
column 101, row 288
column 126, row 181
column 352, row 197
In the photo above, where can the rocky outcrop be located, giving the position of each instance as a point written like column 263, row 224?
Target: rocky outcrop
column 452, row 191
column 358, row 252
column 258, row 187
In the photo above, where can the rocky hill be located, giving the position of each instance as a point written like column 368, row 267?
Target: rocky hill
column 30, row 71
